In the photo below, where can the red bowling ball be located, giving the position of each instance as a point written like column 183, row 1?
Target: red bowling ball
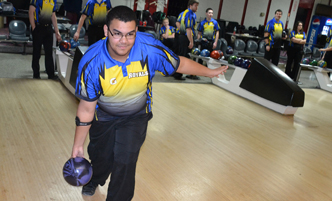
column 215, row 54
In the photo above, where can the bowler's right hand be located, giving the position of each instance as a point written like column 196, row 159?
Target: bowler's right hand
column 76, row 36
column 267, row 48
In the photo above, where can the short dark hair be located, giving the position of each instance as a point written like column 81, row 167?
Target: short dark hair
column 279, row 10
column 191, row 2
column 122, row 13
column 207, row 10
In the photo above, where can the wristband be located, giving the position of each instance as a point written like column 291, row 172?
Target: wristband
column 79, row 123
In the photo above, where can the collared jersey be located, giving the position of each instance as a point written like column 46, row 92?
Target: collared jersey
column 297, row 36
column 179, row 20
column 188, row 20
column 97, row 12
column 123, row 88
column 275, row 30
column 44, row 10
column 208, row 28
column 330, row 41
column 163, row 30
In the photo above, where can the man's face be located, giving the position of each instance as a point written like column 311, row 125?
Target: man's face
column 194, row 7
column 278, row 15
column 209, row 14
column 119, row 48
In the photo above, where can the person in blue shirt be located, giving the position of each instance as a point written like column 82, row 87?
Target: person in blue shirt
column 167, row 34
column 273, row 36
column 208, row 31
column 95, row 11
column 295, row 50
column 327, row 56
column 188, row 23
column 42, row 17
column 114, row 85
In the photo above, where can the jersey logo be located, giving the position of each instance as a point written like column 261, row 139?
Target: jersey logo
column 113, row 81
column 138, row 74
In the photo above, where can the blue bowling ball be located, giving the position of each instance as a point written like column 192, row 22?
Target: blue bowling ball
column 246, row 63
column 238, row 62
column 229, row 50
column 205, row 53
column 77, row 171
column 195, row 51
column 73, row 43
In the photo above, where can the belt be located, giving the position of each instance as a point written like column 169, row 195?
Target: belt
column 44, row 25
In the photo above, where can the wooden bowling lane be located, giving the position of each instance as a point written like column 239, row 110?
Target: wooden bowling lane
column 204, row 143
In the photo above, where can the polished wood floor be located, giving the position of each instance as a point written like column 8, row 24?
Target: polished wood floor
column 203, row 144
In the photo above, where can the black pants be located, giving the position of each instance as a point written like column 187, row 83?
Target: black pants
column 328, row 59
column 95, row 33
column 169, row 42
column 294, row 56
column 273, row 55
column 114, row 147
column 183, row 50
column 42, row 35
column 206, row 45
column 176, row 44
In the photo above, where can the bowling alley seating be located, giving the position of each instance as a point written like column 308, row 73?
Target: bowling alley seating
column 72, row 31
column 251, row 48
column 172, row 21
column 152, row 32
column 239, row 47
column 316, row 54
column 260, row 50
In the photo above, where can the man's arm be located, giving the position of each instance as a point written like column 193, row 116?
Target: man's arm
column 55, row 25
column 190, row 38
column 85, row 113
column 32, row 10
column 199, row 34
column 216, row 40
column 266, row 40
column 79, row 26
column 188, row 66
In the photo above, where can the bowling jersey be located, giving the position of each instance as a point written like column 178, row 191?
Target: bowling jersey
column 44, row 10
column 97, row 12
column 297, row 36
column 188, row 20
column 163, row 30
column 275, row 30
column 208, row 29
column 179, row 20
column 123, row 88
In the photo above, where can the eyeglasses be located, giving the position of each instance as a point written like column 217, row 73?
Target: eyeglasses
column 119, row 35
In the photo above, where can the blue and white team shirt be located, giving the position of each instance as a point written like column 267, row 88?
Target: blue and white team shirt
column 275, row 29
column 97, row 12
column 163, row 30
column 208, row 29
column 44, row 10
column 123, row 89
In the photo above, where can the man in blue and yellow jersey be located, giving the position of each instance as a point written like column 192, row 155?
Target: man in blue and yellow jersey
column 208, row 31
column 114, row 85
column 188, row 24
column 273, row 36
column 41, row 17
column 95, row 11
column 328, row 51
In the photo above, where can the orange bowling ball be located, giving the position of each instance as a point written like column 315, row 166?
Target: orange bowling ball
column 215, row 54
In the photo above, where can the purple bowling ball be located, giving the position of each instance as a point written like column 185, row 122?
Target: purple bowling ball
column 77, row 171
column 246, row 63
column 238, row 62
column 229, row 51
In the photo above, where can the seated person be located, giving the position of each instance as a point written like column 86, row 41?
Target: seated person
column 167, row 33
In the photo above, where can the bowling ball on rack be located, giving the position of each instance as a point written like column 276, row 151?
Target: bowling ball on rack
column 231, row 59
column 195, row 51
column 305, row 60
column 77, row 171
column 322, row 64
column 64, row 46
column 74, row 43
column 205, row 53
column 313, row 62
column 221, row 53
column 229, row 50
column 215, row 54
column 238, row 62
column 246, row 63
